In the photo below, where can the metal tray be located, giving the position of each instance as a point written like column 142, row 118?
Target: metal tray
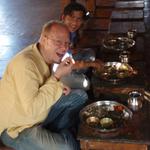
column 105, row 116
column 115, row 71
column 118, row 43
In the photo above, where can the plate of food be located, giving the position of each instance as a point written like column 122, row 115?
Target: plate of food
column 118, row 43
column 105, row 116
column 115, row 71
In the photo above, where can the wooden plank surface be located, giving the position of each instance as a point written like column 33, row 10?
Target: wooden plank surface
column 127, row 15
column 64, row 3
column 105, row 3
column 103, row 12
column 96, row 145
column 91, row 5
column 130, row 0
column 133, row 136
column 92, row 38
column 124, row 26
column 129, row 4
column 98, row 24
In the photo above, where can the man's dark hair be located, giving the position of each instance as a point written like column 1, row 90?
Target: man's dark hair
column 74, row 6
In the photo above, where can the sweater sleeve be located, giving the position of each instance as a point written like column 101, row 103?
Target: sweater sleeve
column 35, row 92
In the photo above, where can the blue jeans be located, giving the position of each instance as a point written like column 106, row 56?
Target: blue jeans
column 60, row 119
column 85, row 54
column 65, row 113
column 38, row 138
column 76, row 80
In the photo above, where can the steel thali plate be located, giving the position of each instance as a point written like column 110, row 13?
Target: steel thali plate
column 105, row 116
column 115, row 71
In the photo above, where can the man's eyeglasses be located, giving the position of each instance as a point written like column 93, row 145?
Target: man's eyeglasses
column 60, row 43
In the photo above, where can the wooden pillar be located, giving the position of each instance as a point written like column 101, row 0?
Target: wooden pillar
column 91, row 5
column 64, row 3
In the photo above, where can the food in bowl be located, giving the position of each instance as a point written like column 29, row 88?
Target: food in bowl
column 92, row 121
column 106, row 122
column 105, row 116
column 115, row 71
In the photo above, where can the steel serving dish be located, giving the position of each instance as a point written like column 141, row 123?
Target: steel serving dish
column 118, row 43
column 115, row 71
column 105, row 116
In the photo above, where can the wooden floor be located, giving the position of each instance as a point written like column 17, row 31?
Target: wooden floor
column 21, row 22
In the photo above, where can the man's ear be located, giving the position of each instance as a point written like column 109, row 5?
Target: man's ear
column 62, row 17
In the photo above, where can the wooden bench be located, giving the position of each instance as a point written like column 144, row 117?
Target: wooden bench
column 127, row 15
column 129, row 4
column 99, row 145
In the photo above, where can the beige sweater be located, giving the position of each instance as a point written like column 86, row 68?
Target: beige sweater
column 27, row 91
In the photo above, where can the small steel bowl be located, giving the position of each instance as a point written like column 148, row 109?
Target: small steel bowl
column 106, row 122
column 92, row 121
column 116, row 71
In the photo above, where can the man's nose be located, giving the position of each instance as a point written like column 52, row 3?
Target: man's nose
column 74, row 21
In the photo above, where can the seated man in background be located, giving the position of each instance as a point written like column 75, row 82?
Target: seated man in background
column 74, row 16
column 29, row 91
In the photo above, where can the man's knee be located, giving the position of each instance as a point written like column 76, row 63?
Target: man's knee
column 81, row 93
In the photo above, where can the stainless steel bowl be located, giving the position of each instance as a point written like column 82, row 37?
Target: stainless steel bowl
column 106, row 122
column 92, row 121
column 105, row 116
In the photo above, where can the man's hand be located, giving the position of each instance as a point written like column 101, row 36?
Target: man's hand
column 79, row 65
column 97, row 64
column 64, row 68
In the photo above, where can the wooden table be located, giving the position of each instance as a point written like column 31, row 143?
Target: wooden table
column 134, row 136
column 109, row 88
